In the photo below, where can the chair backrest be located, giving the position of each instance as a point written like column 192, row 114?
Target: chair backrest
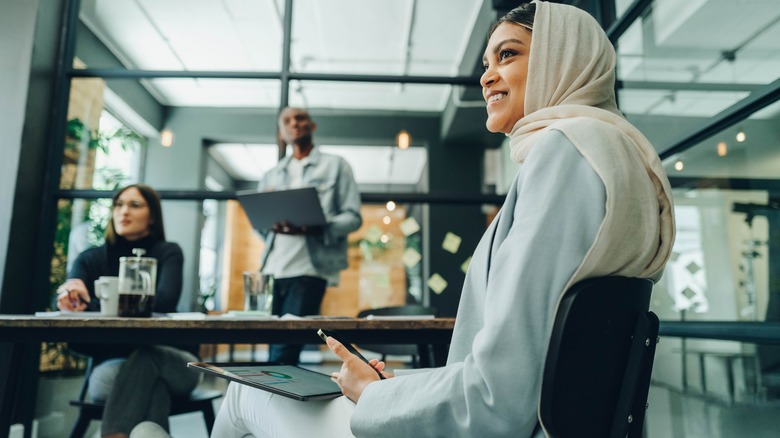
column 599, row 360
column 405, row 310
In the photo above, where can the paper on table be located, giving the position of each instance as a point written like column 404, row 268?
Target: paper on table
column 328, row 317
column 65, row 313
column 250, row 314
column 187, row 315
column 399, row 317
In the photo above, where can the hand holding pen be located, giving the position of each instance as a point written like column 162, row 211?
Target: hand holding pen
column 73, row 296
column 355, row 375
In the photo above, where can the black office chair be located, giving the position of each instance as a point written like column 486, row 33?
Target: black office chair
column 597, row 373
column 198, row 400
column 399, row 350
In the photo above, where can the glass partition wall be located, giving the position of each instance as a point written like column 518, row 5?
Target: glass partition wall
column 707, row 99
column 194, row 84
column 700, row 80
column 218, row 73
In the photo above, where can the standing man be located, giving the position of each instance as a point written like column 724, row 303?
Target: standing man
column 304, row 261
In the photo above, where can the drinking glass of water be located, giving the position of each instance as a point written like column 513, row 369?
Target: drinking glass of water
column 258, row 293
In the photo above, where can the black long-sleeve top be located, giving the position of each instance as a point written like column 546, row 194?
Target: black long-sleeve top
column 104, row 261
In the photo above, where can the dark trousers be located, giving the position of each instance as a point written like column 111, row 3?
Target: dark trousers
column 298, row 296
column 144, row 386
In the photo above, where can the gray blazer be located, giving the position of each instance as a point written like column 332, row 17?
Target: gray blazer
column 492, row 380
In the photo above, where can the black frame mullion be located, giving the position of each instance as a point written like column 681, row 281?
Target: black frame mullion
column 58, row 127
column 621, row 25
column 741, row 110
column 288, row 76
column 366, row 197
column 286, row 55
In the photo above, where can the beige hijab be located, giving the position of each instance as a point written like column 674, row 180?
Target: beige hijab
column 570, row 88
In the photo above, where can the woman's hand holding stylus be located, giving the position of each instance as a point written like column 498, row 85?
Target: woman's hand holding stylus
column 355, row 374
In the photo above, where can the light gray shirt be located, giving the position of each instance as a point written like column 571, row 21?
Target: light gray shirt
column 289, row 256
column 340, row 200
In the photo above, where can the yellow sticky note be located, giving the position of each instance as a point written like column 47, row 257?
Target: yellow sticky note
column 383, row 280
column 410, row 257
column 409, row 226
column 373, row 234
column 437, row 283
column 451, row 242
column 465, row 266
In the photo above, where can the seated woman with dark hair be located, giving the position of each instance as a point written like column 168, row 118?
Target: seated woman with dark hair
column 135, row 382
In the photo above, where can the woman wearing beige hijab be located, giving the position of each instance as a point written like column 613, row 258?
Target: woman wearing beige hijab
column 590, row 199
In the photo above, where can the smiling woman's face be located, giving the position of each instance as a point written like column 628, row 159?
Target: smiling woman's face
column 506, row 70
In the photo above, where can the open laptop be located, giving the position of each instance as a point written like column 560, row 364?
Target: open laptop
column 299, row 207
column 286, row 380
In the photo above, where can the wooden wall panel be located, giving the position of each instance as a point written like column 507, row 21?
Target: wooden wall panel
column 364, row 284
column 242, row 250
column 376, row 283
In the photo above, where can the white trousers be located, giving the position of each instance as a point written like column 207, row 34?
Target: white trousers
column 250, row 412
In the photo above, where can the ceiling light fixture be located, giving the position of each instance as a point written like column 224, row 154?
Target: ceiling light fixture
column 166, row 138
column 722, row 149
column 741, row 135
column 390, row 205
column 403, row 139
column 386, row 220
column 678, row 166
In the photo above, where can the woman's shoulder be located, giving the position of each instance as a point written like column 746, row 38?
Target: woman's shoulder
column 598, row 140
column 593, row 133
column 588, row 127
column 554, row 144
column 93, row 253
column 163, row 247
column 555, row 158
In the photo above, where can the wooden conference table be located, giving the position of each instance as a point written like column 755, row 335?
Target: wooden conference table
column 21, row 335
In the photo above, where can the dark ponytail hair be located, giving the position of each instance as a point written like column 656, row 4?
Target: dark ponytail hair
column 522, row 15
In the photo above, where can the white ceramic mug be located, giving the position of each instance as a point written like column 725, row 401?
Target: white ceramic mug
column 107, row 289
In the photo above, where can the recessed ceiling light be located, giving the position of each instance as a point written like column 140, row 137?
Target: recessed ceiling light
column 403, row 139
column 166, row 138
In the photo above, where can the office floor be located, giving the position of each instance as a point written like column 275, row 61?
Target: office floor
column 675, row 415
column 670, row 413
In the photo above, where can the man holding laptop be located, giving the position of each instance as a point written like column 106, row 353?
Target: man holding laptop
column 302, row 260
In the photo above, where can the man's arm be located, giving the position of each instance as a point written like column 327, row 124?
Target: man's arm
column 347, row 197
